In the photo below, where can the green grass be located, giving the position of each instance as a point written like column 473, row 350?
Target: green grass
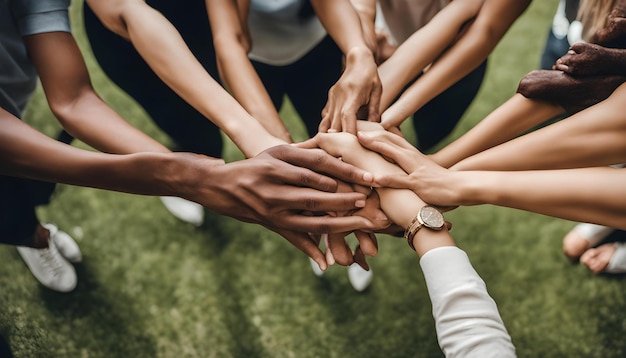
column 151, row 286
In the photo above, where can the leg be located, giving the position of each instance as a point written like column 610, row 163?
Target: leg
column 309, row 80
column 437, row 118
column 119, row 60
column 20, row 227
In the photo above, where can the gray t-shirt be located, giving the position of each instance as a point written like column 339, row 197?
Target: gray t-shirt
column 19, row 18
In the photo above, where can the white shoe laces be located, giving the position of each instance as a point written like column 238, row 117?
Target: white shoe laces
column 51, row 259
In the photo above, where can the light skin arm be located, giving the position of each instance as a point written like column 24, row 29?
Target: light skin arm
column 511, row 119
column 453, row 293
column 160, row 44
column 74, row 102
column 366, row 9
column 431, row 40
column 592, row 137
column 400, row 205
column 232, row 44
column 585, row 194
column 359, row 85
column 473, row 47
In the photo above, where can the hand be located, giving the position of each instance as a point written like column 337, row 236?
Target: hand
column 277, row 188
column 358, row 87
column 426, row 178
column 572, row 93
column 585, row 59
column 613, row 33
column 384, row 48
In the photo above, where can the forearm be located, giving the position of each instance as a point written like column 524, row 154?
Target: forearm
column 366, row 10
column 232, row 44
column 241, row 79
column 423, row 47
column 462, row 307
column 593, row 137
column 342, row 23
column 472, row 48
column 74, row 102
column 89, row 119
column 28, row 153
column 586, row 194
column 157, row 40
column 511, row 119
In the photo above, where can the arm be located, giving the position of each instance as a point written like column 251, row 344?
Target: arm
column 232, row 44
column 366, row 10
column 592, row 137
column 459, row 297
column 359, row 85
column 511, row 119
column 164, row 50
column 587, row 194
column 473, row 47
column 74, row 102
column 424, row 46
column 272, row 189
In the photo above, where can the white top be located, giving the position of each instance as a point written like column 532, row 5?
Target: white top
column 280, row 36
column 562, row 27
column 466, row 318
column 404, row 17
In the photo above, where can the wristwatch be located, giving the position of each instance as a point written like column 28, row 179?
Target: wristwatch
column 428, row 217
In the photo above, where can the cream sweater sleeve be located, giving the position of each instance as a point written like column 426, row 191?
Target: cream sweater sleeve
column 467, row 320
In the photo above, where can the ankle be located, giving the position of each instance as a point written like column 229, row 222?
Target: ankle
column 40, row 238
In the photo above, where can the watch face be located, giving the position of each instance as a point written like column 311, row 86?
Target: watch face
column 431, row 217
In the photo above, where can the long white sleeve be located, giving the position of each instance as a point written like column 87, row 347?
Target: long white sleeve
column 467, row 320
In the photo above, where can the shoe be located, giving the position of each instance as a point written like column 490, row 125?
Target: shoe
column 66, row 245
column 360, row 279
column 185, row 210
column 49, row 267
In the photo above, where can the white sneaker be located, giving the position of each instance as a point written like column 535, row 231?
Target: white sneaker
column 49, row 267
column 185, row 210
column 66, row 245
column 360, row 278
column 316, row 268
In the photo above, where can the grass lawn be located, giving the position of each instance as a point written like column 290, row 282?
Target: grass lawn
column 152, row 286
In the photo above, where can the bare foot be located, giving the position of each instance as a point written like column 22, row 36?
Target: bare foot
column 582, row 237
column 597, row 259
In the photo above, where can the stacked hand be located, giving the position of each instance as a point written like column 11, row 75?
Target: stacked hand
column 588, row 73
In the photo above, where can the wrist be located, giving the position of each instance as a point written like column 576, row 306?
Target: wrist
column 359, row 54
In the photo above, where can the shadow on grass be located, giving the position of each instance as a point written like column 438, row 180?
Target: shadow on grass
column 220, row 233
column 95, row 309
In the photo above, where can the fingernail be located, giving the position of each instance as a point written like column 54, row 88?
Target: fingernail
column 360, row 203
column 382, row 217
column 368, row 177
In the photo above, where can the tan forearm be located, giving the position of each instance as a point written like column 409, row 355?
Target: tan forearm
column 423, row 47
column 587, row 194
column 592, row 137
column 511, row 119
column 157, row 40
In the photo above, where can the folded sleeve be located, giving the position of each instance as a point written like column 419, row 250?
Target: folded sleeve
column 41, row 16
column 467, row 320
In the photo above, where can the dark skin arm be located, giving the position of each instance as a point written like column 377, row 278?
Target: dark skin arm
column 273, row 189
